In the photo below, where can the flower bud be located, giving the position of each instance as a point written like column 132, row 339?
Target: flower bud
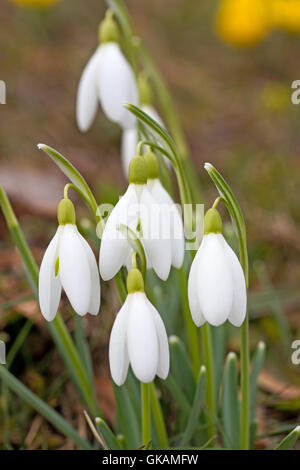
column 108, row 29
column 135, row 281
column 152, row 164
column 212, row 222
column 138, row 171
column 66, row 212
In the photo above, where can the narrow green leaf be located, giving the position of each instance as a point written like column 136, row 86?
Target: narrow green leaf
column 82, row 346
column 290, row 440
column 107, row 435
column 180, row 367
column 177, row 394
column 84, row 353
column 199, row 399
column 154, row 125
column 18, row 342
column 73, row 175
column 219, row 342
column 257, row 363
column 230, row 404
column 128, row 417
column 41, row 407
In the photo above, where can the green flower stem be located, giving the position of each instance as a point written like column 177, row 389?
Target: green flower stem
column 210, row 379
column 57, row 328
column 146, row 414
column 192, row 333
column 158, row 418
column 238, row 220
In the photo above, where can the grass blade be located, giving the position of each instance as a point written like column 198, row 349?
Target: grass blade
column 41, row 407
column 129, row 417
column 199, row 399
column 73, row 175
column 180, row 367
column 290, row 440
column 230, row 404
column 257, row 363
column 107, row 435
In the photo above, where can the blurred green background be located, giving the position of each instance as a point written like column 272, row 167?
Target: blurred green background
column 235, row 106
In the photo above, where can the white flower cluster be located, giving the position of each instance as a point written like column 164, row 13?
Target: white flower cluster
column 216, row 284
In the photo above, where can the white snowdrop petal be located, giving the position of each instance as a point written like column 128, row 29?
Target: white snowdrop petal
column 74, row 269
column 118, row 354
column 194, row 304
column 174, row 218
column 128, row 148
column 87, row 98
column 214, row 280
column 164, row 355
column 239, row 306
column 142, row 338
column 49, row 285
column 115, row 248
column 94, row 304
column 157, row 248
column 117, row 85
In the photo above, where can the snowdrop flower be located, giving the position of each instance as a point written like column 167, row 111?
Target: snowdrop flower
column 69, row 263
column 216, row 285
column 171, row 222
column 138, row 337
column 107, row 78
column 138, row 210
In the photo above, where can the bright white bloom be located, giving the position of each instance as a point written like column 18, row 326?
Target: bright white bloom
column 130, row 139
column 151, row 214
column 138, row 338
column 69, row 263
column 136, row 209
column 171, row 221
column 216, row 286
column 107, row 78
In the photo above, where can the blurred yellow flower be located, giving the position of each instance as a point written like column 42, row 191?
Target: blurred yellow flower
column 35, row 3
column 286, row 15
column 242, row 22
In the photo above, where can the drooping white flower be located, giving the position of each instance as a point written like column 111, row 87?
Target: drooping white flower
column 216, row 286
column 107, row 78
column 171, row 221
column 138, row 210
column 130, row 138
column 138, row 337
column 69, row 263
